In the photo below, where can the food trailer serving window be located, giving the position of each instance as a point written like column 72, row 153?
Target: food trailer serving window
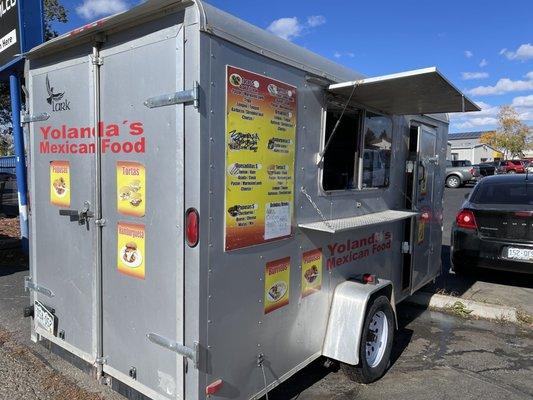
column 377, row 151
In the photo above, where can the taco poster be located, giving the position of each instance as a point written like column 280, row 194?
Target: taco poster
column 277, row 279
column 260, row 150
column 311, row 271
column 60, row 183
column 131, row 188
column 131, row 254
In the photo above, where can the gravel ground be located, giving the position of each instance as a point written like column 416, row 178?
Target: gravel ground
column 26, row 376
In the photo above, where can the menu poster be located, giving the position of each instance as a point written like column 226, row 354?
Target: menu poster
column 60, row 183
column 130, row 249
column 260, row 153
column 311, row 272
column 277, row 280
column 131, row 197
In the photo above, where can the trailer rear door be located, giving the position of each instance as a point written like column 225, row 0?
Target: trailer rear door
column 62, row 179
column 142, row 195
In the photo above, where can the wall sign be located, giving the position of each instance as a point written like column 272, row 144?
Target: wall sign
column 277, row 281
column 21, row 29
column 311, row 272
column 130, row 249
column 260, row 153
column 131, row 192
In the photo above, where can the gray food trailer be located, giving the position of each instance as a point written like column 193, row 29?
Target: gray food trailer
column 213, row 208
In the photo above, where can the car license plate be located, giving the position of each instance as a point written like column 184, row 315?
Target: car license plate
column 44, row 318
column 520, row 254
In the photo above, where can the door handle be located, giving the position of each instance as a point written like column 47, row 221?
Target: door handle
column 78, row 215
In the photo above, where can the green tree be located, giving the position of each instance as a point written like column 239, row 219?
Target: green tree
column 54, row 11
column 512, row 136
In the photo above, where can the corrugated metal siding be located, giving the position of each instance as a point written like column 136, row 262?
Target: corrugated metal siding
column 7, row 165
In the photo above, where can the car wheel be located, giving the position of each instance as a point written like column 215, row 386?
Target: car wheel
column 511, row 171
column 453, row 181
column 376, row 343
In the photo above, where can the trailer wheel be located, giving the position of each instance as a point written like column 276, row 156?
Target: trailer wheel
column 376, row 343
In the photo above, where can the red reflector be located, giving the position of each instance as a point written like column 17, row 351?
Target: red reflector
column 214, row 387
column 368, row 278
column 192, row 230
column 465, row 219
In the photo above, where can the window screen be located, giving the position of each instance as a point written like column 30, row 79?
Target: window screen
column 377, row 151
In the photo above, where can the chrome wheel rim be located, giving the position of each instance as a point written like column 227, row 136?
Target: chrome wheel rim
column 376, row 342
column 453, row 182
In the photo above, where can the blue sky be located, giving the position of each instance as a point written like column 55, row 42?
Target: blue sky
column 484, row 47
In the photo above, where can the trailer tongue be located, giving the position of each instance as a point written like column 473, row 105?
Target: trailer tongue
column 212, row 210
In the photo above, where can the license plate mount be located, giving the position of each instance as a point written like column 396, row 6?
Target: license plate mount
column 43, row 318
column 519, row 254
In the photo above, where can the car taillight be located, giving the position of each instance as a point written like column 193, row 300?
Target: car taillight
column 465, row 219
column 524, row 214
column 192, row 227
column 472, row 171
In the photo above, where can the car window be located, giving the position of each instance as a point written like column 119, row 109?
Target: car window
column 503, row 193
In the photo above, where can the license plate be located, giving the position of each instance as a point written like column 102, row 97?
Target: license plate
column 520, row 254
column 44, row 318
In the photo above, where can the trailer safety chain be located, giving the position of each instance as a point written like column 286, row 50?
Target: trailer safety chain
column 326, row 146
column 260, row 361
column 315, row 206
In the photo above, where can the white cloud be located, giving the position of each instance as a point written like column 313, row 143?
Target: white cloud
column 523, row 101
column 349, row 54
column 474, row 75
column 524, row 52
column 483, row 63
column 91, row 9
column 289, row 28
column 477, row 122
column 468, row 54
column 337, row 54
column 286, row 28
column 316, row 20
column 504, row 85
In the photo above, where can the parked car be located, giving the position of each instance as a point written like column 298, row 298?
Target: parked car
column 494, row 227
column 528, row 165
column 458, row 172
column 483, row 169
column 510, row 167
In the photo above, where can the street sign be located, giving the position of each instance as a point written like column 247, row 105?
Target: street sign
column 21, row 28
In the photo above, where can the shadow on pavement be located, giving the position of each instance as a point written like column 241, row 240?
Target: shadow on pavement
column 459, row 284
column 12, row 259
column 316, row 371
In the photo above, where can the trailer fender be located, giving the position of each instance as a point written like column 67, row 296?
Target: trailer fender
column 347, row 315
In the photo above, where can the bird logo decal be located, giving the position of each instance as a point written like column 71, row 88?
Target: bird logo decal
column 52, row 97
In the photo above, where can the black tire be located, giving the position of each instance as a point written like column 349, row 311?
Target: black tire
column 453, row 181
column 511, row 171
column 363, row 372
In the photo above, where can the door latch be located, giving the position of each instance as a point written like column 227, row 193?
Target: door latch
column 82, row 216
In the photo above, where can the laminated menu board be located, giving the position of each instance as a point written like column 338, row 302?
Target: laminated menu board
column 260, row 151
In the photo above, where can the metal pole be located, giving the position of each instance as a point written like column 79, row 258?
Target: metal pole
column 18, row 138
column 98, row 213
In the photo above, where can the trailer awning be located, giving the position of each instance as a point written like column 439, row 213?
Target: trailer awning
column 361, row 221
column 422, row 91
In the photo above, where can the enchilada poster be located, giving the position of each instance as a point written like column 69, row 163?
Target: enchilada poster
column 60, row 183
column 311, row 272
column 260, row 152
column 131, row 179
column 277, row 275
column 131, row 249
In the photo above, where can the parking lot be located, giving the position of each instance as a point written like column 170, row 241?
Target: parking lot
column 436, row 355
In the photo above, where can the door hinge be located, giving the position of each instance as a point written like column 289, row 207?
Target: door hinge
column 406, row 248
column 27, row 118
column 192, row 354
column 185, row 96
column 29, row 285
column 100, row 222
column 97, row 60
column 101, row 360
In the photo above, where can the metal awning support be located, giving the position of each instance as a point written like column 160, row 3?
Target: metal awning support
column 422, row 91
